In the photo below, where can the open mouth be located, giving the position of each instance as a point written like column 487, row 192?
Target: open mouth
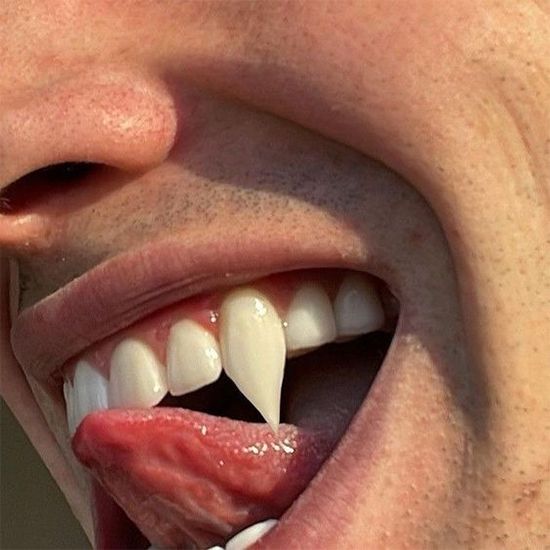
column 204, row 422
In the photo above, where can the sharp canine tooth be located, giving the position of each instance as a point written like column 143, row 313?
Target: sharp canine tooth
column 357, row 307
column 89, row 393
column 309, row 321
column 253, row 350
column 137, row 377
column 250, row 535
column 192, row 358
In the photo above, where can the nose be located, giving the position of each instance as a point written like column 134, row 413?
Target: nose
column 121, row 119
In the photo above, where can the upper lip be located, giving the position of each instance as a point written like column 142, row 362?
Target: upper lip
column 130, row 286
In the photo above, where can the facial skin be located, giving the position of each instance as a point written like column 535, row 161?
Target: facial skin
column 408, row 140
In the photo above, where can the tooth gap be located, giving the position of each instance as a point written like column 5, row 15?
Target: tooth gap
column 223, row 398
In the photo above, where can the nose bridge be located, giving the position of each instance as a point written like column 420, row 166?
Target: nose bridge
column 120, row 119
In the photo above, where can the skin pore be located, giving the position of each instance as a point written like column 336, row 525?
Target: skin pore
column 408, row 141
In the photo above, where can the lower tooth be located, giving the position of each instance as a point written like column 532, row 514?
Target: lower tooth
column 250, row 535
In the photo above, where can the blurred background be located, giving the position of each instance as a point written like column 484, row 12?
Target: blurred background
column 33, row 512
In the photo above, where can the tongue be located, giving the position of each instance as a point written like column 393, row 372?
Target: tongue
column 187, row 478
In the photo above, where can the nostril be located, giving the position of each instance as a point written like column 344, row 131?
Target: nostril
column 49, row 181
column 124, row 120
column 66, row 171
column 31, row 205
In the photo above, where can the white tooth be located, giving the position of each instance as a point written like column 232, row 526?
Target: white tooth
column 89, row 391
column 137, row 378
column 192, row 358
column 250, row 535
column 309, row 321
column 68, row 392
column 357, row 307
column 253, row 350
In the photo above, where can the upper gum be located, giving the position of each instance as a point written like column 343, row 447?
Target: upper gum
column 204, row 309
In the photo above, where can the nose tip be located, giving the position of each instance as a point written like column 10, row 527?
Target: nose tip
column 121, row 119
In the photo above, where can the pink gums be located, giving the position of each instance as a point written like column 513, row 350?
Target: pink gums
column 204, row 310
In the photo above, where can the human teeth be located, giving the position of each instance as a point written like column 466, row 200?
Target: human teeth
column 309, row 320
column 192, row 358
column 357, row 307
column 250, row 535
column 137, row 377
column 247, row 537
column 88, row 393
column 68, row 392
column 253, row 350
